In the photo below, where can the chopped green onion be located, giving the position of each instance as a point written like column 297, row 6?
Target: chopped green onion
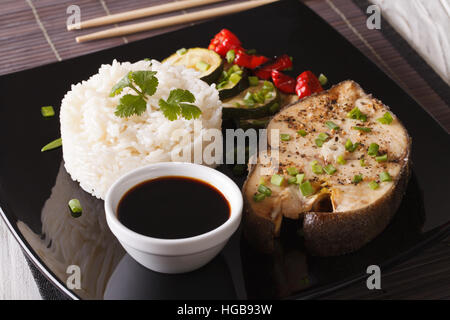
column 319, row 142
column 385, row 176
column 267, row 85
column 300, row 178
column 248, row 96
column 237, row 104
column 268, row 95
column 248, row 99
column 362, row 162
column 330, row 169
column 253, row 81
column 285, row 137
column 364, row 129
column 373, row 149
column 264, row 190
column 341, row 160
column 202, row 66
column 357, row 178
column 276, row 179
column 323, row 79
column 373, row 185
column 75, row 208
column 332, row 125
column 235, row 78
column 349, row 146
column 306, row 188
column 356, row 114
column 382, row 158
column 316, row 168
column 258, row 197
column 233, row 69
column 52, row 145
column 222, row 84
column 258, row 97
column 321, row 138
column 386, row 118
column 292, row 171
column 274, row 107
column 47, row 111
column 181, row 51
column 230, row 56
column 302, row 132
column 292, row 180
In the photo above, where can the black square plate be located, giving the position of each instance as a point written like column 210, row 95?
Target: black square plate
column 35, row 188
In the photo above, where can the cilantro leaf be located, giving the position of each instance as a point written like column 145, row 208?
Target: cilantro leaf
column 119, row 86
column 170, row 110
column 146, row 80
column 175, row 106
column 130, row 105
column 180, row 95
column 179, row 102
column 190, row 111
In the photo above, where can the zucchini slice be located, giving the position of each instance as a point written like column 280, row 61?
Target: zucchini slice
column 233, row 81
column 250, row 105
column 259, row 123
column 208, row 62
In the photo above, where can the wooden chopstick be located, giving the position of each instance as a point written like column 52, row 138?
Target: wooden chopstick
column 170, row 21
column 140, row 13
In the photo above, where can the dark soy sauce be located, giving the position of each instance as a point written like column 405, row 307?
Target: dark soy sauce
column 173, row 208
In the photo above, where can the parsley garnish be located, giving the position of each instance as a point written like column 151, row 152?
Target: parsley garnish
column 144, row 84
column 176, row 105
column 130, row 105
column 134, row 104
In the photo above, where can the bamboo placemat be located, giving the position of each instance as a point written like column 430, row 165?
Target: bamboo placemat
column 33, row 32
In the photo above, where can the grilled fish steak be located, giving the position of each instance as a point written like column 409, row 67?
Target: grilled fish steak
column 346, row 208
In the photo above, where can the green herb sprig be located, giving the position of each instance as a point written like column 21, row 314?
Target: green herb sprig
column 144, row 84
column 179, row 103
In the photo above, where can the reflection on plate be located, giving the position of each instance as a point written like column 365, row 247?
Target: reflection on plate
column 85, row 242
column 130, row 280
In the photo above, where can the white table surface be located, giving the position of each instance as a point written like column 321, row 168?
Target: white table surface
column 425, row 24
column 16, row 281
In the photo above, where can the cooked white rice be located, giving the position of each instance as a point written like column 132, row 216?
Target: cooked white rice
column 99, row 147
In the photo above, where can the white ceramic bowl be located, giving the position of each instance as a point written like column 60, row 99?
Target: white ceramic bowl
column 174, row 255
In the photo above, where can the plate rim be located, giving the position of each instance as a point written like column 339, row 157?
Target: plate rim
column 34, row 258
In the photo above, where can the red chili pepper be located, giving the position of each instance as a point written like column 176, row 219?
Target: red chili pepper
column 258, row 60
column 283, row 82
column 224, row 41
column 307, row 84
column 241, row 58
column 281, row 63
column 248, row 60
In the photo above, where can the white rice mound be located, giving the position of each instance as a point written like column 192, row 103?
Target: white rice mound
column 99, row 147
